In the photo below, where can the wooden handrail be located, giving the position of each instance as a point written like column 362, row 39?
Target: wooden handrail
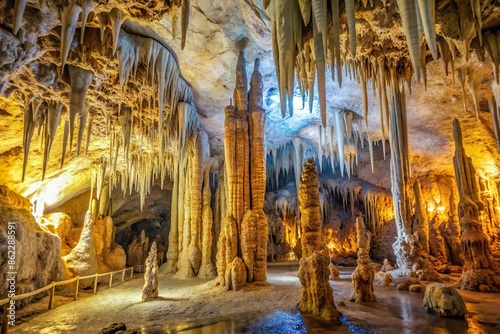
column 52, row 286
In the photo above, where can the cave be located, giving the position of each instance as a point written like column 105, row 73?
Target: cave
column 251, row 166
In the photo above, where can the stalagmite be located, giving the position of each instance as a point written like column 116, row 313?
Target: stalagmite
column 477, row 271
column 19, row 8
column 52, row 121
column 80, row 83
column 87, row 7
column 69, row 16
column 426, row 10
column 317, row 294
column 363, row 275
column 116, row 18
column 407, row 11
column 150, row 288
column 207, row 269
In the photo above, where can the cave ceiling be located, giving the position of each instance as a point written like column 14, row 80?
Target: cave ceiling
column 118, row 57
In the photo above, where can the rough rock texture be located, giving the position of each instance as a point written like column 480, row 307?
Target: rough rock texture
column 317, row 294
column 236, row 275
column 310, row 216
column 61, row 224
column 150, row 288
column 245, row 230
column 38, row 261
column 444, row 300
column 82, row 260
column 363, row 275
column 334, row 272
column 384, row 279
column 478, row 263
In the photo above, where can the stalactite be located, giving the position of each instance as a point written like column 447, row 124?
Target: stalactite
column 117, row 19
column 65, row 139
column 185, row 7
column 319, row 55
column 87, row 7
column 479, row 265
column 427, row 13
column 351, row 24
column 335, row 41
column 28, row 130
column 407, row 11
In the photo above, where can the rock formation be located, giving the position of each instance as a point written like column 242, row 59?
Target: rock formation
column 82, row 260
column 245, row 231
column 38, row 261
column 137, row 250
column 411, row 244
column 110, row 256
column 317, row 294
column 363, row 275
column 444, row 300
column 150, row 288
column 334, row 272
column 478, row 264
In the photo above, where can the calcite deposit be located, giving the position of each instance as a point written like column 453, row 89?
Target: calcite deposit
column 444, row 300
column 363, row 275
column 150, row 288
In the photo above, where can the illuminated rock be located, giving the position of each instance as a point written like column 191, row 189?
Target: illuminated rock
column 317, row 294
column 137, row 250
column 37, row 252
column 334, row 272
column 478, row 263
column 444, row 300
column 150, row 288
column 363, row 275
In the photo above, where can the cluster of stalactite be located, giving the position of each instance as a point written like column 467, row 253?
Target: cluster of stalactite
column 163, row 112
column 478, row 268
column 317, row 294
column 243, row 239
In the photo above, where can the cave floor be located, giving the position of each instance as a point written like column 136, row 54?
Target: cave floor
column 196, row 306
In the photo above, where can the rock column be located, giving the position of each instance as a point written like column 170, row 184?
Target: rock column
column 477, row 271
column 363, row 275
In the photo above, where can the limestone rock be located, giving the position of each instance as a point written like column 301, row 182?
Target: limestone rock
column 150, row 288
column 386, row 266
column 363, row 275
column 60, row 224
column 38, row 261
column 309, row 205
column 444, row 300
column 82, row 260
column 137, row 250
column 236, row 275
column 478, row 263
column 384, row 279
column 110, row 255
column 317, row 294
column 416, row 288
column 334, row 272
column 113, row 328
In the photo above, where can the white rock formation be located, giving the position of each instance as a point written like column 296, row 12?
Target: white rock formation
column 150, row 288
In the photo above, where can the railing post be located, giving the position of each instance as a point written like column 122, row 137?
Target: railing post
column 77, row 285
column 131, row 272
column 5, row 321
column 110, row 279
column 95, row 283
column 123, row 275
column 51, row 298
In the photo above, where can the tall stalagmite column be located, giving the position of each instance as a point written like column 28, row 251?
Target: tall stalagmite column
column 477, row 272
column 243, row 239
column 411, row 246
column 317, row 294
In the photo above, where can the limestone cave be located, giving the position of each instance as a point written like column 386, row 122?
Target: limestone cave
column 249, row 166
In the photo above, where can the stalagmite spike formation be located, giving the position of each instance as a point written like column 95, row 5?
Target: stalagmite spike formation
column 69, row 16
